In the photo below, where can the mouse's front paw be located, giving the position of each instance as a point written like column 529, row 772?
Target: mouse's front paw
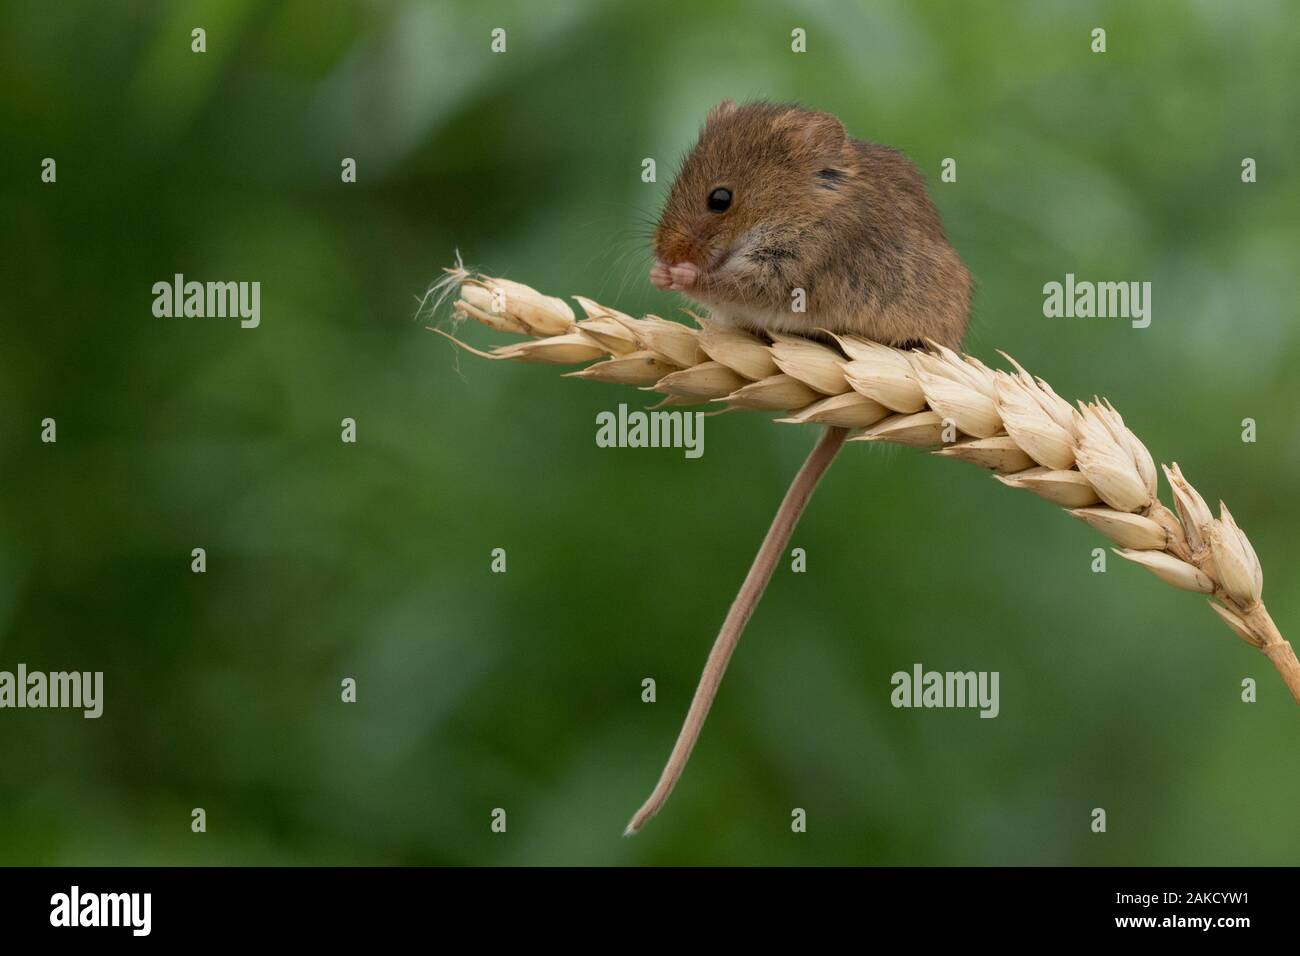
column 684, row 276
column 660, row 276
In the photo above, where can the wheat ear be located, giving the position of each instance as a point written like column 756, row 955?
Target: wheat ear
column 1082, row 458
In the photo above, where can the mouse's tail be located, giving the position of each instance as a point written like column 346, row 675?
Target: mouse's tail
column 760, row 572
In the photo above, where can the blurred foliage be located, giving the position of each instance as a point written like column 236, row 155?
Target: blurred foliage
column 522, row 690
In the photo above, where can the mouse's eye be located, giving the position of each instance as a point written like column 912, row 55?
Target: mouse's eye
column 720, row 199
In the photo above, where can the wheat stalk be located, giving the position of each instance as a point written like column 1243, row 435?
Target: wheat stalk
column 1082, row 457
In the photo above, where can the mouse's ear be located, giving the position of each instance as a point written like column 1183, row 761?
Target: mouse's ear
column 725, row 108
column 821, row 132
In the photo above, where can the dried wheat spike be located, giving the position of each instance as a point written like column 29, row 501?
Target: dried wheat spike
column 1082, row 457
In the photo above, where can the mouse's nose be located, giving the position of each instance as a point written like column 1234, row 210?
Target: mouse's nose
column 672, row 246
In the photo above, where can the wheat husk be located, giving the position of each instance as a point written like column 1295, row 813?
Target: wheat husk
column 1084, row 459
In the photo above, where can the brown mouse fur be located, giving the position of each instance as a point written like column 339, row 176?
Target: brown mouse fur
column 849, row 222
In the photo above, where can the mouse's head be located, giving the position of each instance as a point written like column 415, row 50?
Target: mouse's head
column 741, row 222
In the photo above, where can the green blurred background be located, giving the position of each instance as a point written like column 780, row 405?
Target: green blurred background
column 522, row 690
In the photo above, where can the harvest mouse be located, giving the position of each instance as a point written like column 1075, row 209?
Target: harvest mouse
column 775, row 198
